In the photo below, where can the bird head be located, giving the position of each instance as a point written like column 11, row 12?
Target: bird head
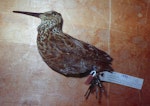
column 52, row 18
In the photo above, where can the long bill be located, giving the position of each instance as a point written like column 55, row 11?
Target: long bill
column 28, row 13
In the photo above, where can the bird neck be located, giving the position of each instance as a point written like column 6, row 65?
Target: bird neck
column 47, row 27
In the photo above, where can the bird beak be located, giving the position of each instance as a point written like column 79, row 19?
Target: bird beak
column 29, row 13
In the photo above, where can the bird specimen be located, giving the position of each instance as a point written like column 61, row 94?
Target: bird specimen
column 69, row 56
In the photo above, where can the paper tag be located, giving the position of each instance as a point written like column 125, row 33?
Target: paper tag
column 122, row 79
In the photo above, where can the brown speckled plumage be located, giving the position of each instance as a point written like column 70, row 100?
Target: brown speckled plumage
column 65, row 54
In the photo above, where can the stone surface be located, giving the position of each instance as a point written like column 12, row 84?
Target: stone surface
column 120, row 27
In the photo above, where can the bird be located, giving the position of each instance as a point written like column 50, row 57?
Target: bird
column 67, row 55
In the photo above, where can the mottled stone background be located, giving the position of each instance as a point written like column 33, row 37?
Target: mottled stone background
column 120, row 27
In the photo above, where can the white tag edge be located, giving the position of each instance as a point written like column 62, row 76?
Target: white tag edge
column 139, row 87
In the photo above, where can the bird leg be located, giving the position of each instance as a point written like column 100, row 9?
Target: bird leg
column 90, row 89
column 95, row 86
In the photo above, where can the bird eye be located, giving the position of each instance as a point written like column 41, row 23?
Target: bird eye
column 54, row 13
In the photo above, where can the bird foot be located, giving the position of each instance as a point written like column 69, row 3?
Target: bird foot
column 96, row 87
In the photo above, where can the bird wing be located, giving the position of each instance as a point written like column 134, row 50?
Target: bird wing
column 89, row 50
column 72, row 57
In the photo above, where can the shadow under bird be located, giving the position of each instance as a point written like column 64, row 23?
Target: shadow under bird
column 67, row 55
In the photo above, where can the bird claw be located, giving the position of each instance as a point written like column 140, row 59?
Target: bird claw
column 97, row 87
column 89, row 91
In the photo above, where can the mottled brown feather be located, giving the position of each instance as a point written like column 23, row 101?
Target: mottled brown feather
column 65, row 54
